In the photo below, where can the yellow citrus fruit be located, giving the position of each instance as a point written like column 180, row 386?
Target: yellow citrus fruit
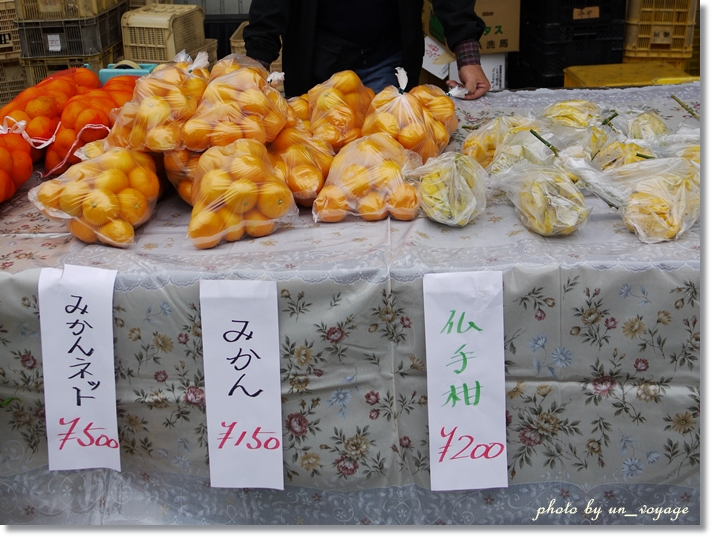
column 145, row 181
column 234, row 227
column 72, row 197
column 117, row 158
column 205, row 228
column 117, row 232
column 372, row 206
column 114, row 180
column 412, row 135
column 81, row 231
column 331, row 204
column 185, row 190
column 402, row 202
column 356, row 180
column 257, row 224
column 213, row 186
column 133, row 206
column 48, row 193
column 274, row 199
column 248, row 167
column 386, row 175
column 241, row 196
column 99, row 207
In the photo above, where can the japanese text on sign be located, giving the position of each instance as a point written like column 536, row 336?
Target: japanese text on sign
column 76, row 324
column 242, row 383
column 464, row 343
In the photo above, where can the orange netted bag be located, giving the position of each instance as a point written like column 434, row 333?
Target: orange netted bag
column 238, row 103
column 16, row 164
column 162, row 101
column 102, row 199
column 338, row 108
column 401, row 116
column 180, row 166
column 236, row 193
column 366, row 181
column 303, row 161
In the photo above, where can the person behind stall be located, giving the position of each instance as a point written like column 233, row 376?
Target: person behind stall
column 371, row 37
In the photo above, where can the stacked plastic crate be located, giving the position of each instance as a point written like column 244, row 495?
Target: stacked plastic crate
column 660, row 31
column 12, row 76
column 556, row 34
column 58, row 35
column 155, row 33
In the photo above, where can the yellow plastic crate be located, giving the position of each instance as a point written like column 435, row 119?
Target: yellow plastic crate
column 237, row 46
column 622, row 74
column 12, row 80
column 660, row 27
column 35, row 10
column 133, row 4
column 678, row 63
column 37, row 69
column 10, row 47
column 155, row 33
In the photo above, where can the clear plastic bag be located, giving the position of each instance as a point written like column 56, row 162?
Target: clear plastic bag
column 577, row 113
column 617, row 153
column 180, row 166
column 482, row 143
column 239, row 103
column 338, row 108
column 102, row 199
column 641, row 124
column 366, row 180
column 236, row 193
column 546, row 200
column 303, row 161
column 162, row 101
column 451, row 188
column 659, row 199
column 520, row 144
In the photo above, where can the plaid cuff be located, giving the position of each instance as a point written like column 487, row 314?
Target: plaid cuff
column 467, row 52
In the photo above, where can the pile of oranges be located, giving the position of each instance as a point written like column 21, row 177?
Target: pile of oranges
column 15, row 163
column 338, row 108
column 238, row 103
column 366, row 180
column 162, row 101
column 102, row 199
column 180, row 166
column 238, row 194
column 303, row 161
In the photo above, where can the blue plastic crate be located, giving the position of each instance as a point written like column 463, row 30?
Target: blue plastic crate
column 112, row 71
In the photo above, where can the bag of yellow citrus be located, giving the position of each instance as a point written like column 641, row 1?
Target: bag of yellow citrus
column 180, row 166
column 102, row 199
column 162, row 101
column 236, row 193
column 240, row 103
column 303, row 161
column 401, row 116
column 366, row 180
column 438, row 106
column 338, row 108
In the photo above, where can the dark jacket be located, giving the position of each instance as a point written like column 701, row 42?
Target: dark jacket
column 295, row 20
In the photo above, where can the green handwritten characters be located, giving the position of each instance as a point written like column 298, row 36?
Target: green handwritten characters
column 470, row 399
column 449, row 325
column 460, row 356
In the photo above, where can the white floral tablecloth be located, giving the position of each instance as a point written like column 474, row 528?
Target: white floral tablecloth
column 602, row 346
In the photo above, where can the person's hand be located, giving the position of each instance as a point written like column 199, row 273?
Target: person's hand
column 474, row 79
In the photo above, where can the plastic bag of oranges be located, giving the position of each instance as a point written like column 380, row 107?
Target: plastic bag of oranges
column 239, row 103
column 236, row 193
column 102, row 199
column 303, row 161
column 338, row 108
column 162, row 101
column 439, row 107
column 366, row 180
column 180, row 166
column 401, row 116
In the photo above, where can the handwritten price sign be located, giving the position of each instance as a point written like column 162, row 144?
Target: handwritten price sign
column 76, row 325
column 242, row 384
column 464, row 335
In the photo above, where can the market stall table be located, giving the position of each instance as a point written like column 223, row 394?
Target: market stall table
column 602, row 345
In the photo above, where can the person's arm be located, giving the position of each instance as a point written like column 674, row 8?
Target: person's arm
column 469, row 69
column 463, row 29
column 268, row 23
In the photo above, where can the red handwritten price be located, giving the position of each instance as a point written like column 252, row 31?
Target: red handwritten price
column 87, row 439
column 488, row 451
column 270, row 443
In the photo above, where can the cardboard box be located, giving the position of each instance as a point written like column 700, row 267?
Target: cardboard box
column 500, row 16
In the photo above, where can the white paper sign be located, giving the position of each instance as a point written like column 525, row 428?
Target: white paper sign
column 464, row 341
column 76, row 325
column 53, row 43
column 242, row 383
